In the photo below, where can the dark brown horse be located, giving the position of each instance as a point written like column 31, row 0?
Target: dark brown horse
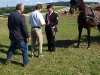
column 87, row 18
column 97, row 8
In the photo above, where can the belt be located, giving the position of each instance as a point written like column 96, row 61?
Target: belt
column 36, row 27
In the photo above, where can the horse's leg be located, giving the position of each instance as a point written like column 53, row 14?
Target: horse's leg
column 88, row 36
column 79, row 36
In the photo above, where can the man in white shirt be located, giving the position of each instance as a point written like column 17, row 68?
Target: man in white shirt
column 36, row 20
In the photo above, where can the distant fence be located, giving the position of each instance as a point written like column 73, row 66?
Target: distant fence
column 1, row 15
column 62, row 10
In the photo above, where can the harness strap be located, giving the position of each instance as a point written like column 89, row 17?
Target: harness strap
column 93, row 14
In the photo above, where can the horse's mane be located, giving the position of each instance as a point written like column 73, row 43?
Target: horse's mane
column 83, row 6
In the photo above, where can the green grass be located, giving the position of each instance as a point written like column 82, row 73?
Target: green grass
column 94, row 5
column 65, row 61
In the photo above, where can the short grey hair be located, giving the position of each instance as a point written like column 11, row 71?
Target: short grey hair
column 18, row 6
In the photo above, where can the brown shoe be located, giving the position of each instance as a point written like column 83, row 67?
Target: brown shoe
column 7, row 61
column 26, row 65
column 40, row 56
column 33, row 56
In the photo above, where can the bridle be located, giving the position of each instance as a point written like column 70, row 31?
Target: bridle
column 75, row 4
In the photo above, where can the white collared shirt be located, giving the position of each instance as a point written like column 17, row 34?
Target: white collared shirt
column 36, row 19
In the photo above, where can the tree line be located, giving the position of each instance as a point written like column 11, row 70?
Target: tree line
column 11, row 9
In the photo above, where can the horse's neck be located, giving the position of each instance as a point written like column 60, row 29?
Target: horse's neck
column 83, row 8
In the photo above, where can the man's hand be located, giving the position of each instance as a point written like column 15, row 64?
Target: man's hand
column 28, row 39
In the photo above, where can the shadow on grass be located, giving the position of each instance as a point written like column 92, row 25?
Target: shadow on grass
column 3, row 51
column 69, row 43
column 16, row 52
column 29, row 48
column 2, row 61
column 64, row 43
column 16, row 63
column 3, row 46
column 92, row 38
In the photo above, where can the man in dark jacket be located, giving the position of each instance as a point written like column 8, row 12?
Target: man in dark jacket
column 51, row 28
column 18, row 34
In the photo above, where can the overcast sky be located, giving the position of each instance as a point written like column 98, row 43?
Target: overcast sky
column 4, row 3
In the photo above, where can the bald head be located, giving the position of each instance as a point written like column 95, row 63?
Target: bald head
column 20, row 7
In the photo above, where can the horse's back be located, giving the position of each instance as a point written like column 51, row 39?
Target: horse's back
column 97, row 14
column 87, row 21
column 97, row 8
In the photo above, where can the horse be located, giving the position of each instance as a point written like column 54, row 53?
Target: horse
column 87, row 18
column 64, row 13
column 97, row 8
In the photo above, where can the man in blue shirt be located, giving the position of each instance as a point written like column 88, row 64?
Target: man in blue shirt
column 36, row 20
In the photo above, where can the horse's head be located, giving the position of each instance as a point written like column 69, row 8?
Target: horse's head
column 74, row 5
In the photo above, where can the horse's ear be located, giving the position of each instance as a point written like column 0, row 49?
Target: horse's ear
column 76, row 0
column 70, row 2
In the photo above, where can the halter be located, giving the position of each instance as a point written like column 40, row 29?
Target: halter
column 76, row 2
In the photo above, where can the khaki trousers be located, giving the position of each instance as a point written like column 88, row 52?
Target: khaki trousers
column 36, row 34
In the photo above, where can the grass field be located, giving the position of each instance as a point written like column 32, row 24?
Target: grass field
column 65, row 61
column 95, row 5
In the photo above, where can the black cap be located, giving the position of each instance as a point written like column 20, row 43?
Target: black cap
column 49, row 6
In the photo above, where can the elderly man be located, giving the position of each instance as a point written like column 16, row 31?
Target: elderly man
column 18, row 34
column 36, row 20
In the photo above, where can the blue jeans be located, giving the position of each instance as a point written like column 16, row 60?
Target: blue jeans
column 24, row 47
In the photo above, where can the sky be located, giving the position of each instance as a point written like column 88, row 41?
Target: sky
column 4, row 3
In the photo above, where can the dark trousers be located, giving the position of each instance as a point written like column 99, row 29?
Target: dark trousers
column 50, row 39
column 24, row 47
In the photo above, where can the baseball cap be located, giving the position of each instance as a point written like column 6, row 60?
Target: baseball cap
column 49, row 6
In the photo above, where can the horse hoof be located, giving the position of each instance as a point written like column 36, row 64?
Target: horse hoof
column 88, row 47
column 75, row 46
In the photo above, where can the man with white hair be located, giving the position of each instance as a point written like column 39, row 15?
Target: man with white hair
column 18, row 34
